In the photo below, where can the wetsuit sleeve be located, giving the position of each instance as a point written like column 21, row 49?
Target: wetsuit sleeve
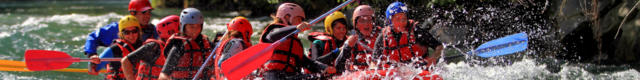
column 173, row 57
column 316, row 48
column 230, row 49
column 91, row 44
column 330, row 56
column 108, row 53
column 341, row 58
column 278, row 33
column 428, row 39
column 145, row 53
column 100, row 37
column 234, row 46
column 312, row 65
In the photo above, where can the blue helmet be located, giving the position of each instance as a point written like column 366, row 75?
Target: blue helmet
column 395, row 8
column 190, row 16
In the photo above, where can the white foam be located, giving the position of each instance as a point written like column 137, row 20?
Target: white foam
column 525, row 69
column 4, row 34
column 8, row 76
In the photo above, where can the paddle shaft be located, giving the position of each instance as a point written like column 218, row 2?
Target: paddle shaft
column 75, row 59
column 101, row 59
column 211, row 55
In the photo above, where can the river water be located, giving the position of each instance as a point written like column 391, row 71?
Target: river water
column 64, row 25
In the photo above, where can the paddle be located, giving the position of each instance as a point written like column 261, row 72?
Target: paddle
column 253, row 57
column 502, row 46
column 42, row 60
column 19, row 66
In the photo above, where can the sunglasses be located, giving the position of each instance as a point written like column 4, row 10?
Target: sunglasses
column 128, row 32
column 132, row 12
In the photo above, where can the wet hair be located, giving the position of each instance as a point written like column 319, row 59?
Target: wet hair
column 276, row 20
column 232, row 34
column 343, row 21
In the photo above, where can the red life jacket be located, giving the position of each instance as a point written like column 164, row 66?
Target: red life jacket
column 361, row 56
column 400, row 47
column 218, row 53
column 195, row 54
column 330, row 43
column 286, row 55
column 151, row 71
column 114, row 69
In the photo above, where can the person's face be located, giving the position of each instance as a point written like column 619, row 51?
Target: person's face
column 339, row 30
column 365, row 25
column 142, row 16
column 399, row 22
column 193, row 30
column 131, row 34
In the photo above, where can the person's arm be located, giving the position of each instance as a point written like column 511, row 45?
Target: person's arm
column 436, row 55
column 127, row 69
column 230, row 49
column 344, row 53
column 164, row 76
column 235, row 46
column 316, row 49
column 315, row 66
column 108, row 53
column 173, row 58
column 91, row 44
column 428, row 39
column 102, row 36
column 378, row 46
column 279, row 33
column 143, row 53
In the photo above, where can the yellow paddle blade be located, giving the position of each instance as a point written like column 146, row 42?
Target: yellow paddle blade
column 19, row 66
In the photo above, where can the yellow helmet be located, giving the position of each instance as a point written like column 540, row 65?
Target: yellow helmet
column 332, row 18
column 128, row 21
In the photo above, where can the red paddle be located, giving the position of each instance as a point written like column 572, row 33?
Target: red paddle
column 243, row 63
column 42, row 60
column 236, row 67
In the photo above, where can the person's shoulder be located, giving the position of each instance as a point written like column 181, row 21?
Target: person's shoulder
column 274, row 25
column 112, row 25
column 114, row 47
column 318, row 42
column 235, row 42
column 109, row 28
column 175, row 40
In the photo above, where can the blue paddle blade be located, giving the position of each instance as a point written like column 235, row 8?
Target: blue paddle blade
column 502, row 46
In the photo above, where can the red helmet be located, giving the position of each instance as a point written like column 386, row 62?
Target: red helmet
column 241, row 25
column 362, row 11
column 168, row 26
column 291, row 9
column 139, row 5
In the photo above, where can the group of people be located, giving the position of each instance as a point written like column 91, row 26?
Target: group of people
column 174, row 48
